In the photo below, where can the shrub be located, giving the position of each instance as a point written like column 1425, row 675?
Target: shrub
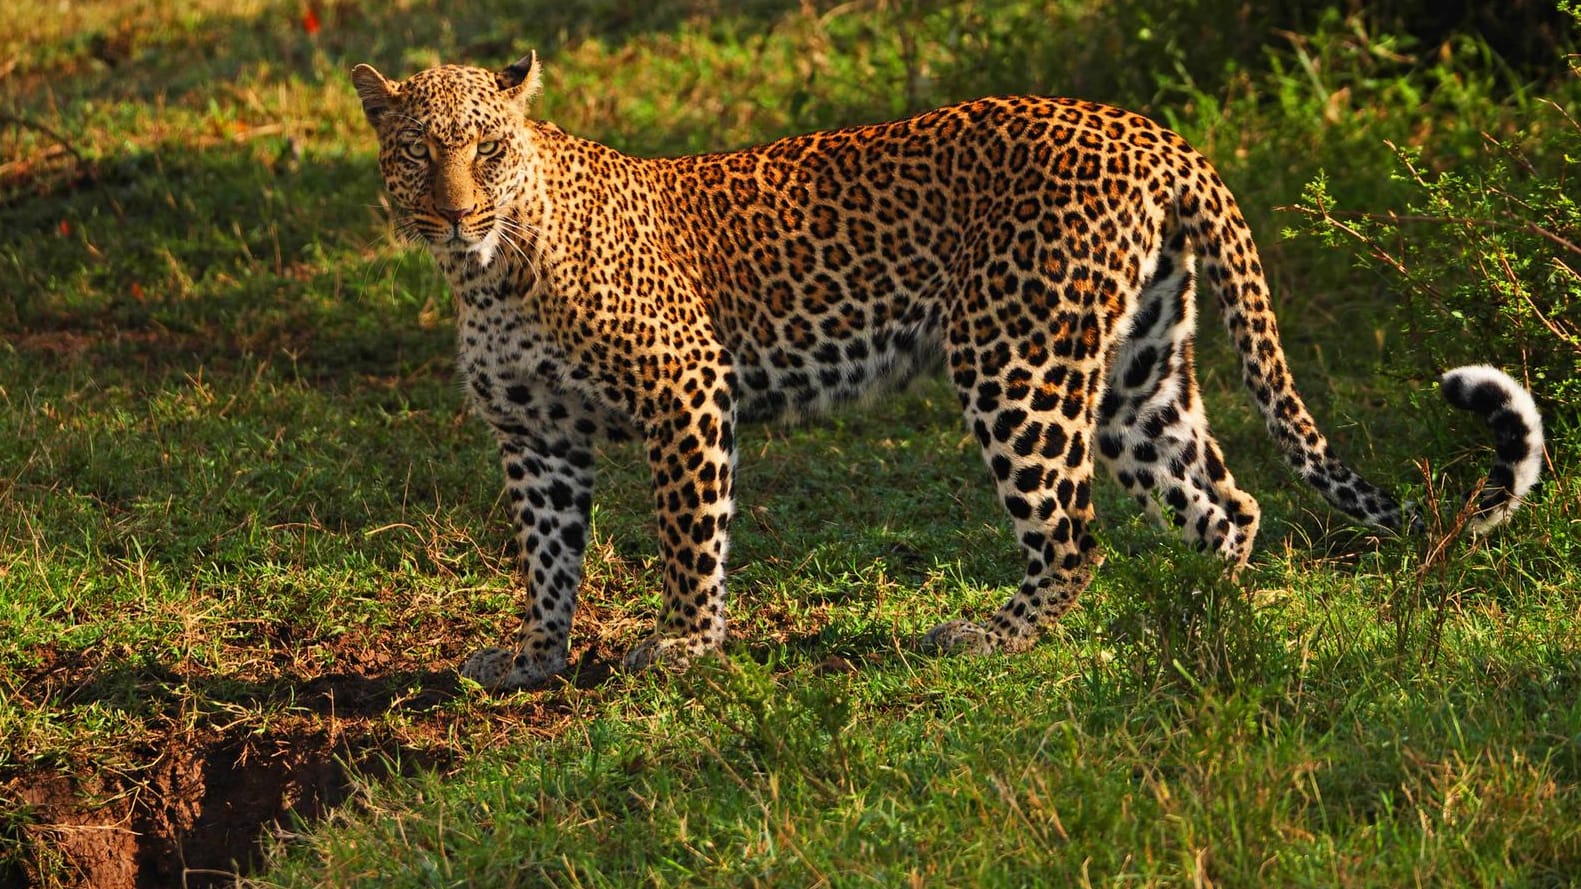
column 1486, row 255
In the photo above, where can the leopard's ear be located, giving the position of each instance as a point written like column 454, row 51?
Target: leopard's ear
column 376, row 92
column 523, row 78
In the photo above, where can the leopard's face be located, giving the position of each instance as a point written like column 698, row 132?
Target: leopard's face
column 455, row 152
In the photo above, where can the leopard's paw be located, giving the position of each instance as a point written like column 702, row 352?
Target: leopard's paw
column 967, row 637
column 669, row 652
column 500, row 669
column 960, row 637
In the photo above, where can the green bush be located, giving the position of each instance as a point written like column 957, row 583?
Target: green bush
column 1486, row 254
column 1149, row 54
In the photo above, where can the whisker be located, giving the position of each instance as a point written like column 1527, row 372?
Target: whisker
column 519, row 236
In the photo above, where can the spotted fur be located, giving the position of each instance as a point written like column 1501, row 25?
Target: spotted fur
column 1046, row 251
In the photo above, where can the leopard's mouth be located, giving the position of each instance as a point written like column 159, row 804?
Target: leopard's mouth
column 444, row 235
column 478, row 236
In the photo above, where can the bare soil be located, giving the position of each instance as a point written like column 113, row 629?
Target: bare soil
column 189, row 808
column 195, row 814
column 189, row 803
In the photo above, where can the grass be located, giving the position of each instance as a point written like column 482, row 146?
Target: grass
column 245, row 520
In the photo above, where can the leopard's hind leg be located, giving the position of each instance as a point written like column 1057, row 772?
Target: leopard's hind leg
column 1153, row 434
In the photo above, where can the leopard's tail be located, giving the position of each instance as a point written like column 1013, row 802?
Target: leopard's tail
column 1233, row 274
column 1517, row 427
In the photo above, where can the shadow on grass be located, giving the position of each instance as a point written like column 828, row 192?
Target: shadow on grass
column 184, row 259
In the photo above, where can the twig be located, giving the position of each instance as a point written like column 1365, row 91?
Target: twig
column 1568, row 337
column 9, row 119
column 1531, row 228
column 1377, row 249
column 1563, row 112
column 1332, row 217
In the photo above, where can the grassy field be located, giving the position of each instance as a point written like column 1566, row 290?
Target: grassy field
column 247, row 529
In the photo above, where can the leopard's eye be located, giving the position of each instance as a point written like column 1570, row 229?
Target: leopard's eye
column 489, row 147
column 417, row 151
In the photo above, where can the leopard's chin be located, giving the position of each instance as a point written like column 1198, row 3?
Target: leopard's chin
column 486, row 248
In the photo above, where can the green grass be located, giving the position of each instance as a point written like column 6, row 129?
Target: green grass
column 242, row 511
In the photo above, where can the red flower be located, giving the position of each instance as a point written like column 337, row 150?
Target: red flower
column 310, row 21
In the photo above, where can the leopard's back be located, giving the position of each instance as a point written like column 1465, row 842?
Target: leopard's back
column 833, row 263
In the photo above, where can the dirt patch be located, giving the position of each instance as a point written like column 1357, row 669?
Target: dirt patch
column 194, row 812
column 188, row 802
column 199, row 765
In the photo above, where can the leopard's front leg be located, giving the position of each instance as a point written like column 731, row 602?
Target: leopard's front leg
column 549, row 483
column 692, row 456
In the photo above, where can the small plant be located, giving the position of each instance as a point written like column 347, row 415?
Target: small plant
column 1421, row 599
column 1188, row 624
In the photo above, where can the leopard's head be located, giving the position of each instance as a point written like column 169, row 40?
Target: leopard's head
column 455, row 150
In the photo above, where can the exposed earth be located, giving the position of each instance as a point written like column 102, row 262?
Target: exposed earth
column 189, row 801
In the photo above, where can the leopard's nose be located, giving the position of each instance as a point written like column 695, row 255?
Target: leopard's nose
column 454, row 215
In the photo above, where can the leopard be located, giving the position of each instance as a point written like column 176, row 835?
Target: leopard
column 1043, row 253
